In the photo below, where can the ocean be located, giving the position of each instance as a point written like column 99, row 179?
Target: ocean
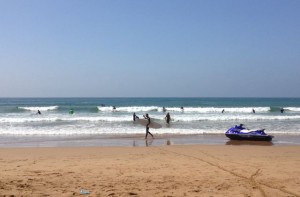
column 95, row 116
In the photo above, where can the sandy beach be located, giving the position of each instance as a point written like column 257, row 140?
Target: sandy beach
column 181, row 170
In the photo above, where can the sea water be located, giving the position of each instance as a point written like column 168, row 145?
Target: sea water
column 96, row 116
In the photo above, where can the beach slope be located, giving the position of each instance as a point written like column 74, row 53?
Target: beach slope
column 191, row 170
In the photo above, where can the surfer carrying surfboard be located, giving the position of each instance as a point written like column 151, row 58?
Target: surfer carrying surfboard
column 147, row 126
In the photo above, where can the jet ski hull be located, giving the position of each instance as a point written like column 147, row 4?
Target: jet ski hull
column 238, row 133
column 249, row 137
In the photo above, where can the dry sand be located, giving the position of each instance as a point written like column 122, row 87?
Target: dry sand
column 191, row 170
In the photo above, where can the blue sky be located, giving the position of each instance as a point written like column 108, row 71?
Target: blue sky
column 155, row 48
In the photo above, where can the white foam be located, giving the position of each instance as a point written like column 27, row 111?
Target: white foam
column 186, row 109
column 74, row 118
column 233, row 117
column 95, row 119
column 27, row 119
column 128, row 118
column 226, row 109
column 295, row 109
column 129, row 109
column 41, row 108
column 73, row 130
column 107, row 128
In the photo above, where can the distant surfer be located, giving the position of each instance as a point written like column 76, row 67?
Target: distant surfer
column 39, row 112
column 181, row 109
column 147, row 126
column 135, row 117
column 281, row 110
column 168, row 118
column 114, row 108
column 253, row 111
column 71, row 111
column 223, row 111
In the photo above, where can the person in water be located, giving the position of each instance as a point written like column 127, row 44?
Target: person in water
column 253, row 111
column 168, row 118
column 223, row 111
column 281, row 110
column 147, row 126
column 71, row 111
column 39, row 112
column 135, row 117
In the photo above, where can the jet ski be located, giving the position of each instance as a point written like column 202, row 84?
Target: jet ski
column 241, row 133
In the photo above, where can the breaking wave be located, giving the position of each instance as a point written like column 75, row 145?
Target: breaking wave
column 158, row 118
column 186, row 109
column 41, row 108
column 293, row 109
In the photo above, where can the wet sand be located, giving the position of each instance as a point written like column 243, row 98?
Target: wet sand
column 10, row 141
column 178, row 170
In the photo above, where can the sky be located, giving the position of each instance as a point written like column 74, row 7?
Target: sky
column 149, row 48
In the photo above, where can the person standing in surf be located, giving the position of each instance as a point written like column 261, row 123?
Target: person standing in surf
column 71, row 111
column 135, row 117
column 147, row 126
column 168, row 118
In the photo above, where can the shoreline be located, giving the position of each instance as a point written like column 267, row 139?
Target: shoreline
column 179, row 170
column 13, row 141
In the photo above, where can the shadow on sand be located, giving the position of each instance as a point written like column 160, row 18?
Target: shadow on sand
column 245, row 142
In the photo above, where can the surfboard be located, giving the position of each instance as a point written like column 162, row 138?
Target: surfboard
column 144, row 122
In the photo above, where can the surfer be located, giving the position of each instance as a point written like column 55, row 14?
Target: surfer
column 71, row 111
column 114, row 108
column 147, row 126
column 223, row 111
column 168, row 118
column 135, row 117
column 253, row 111
column 181, row 109
column 39, row 112
column 281, row 110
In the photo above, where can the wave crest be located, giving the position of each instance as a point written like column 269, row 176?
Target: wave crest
column 41, row 108
column 186, row 109
column 294, row 109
